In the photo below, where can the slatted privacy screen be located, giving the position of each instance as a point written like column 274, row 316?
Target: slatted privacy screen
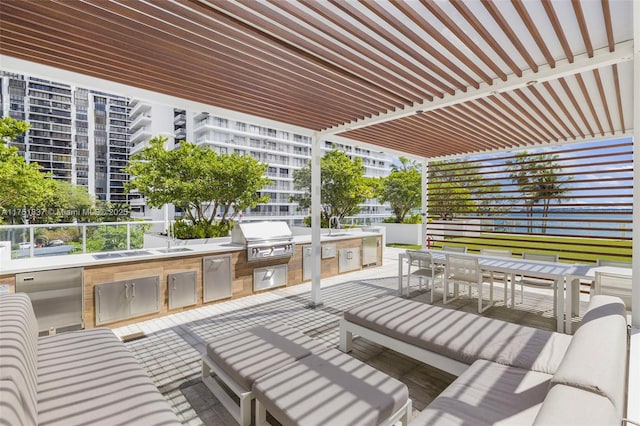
column 573, row 200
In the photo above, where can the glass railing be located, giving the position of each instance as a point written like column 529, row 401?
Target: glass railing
column 73, row 238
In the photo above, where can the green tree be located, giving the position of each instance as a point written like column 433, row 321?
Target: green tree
column 198, row 180
column 449, row 192
column 538, row 179
column 24, row 188
column 110, row 237
column 68, row 203
column 402, row 189
column 344, row 186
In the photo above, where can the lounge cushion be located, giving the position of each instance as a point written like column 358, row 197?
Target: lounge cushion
column 253, row 353
column 11, row 412
column 19, row 352
column 488, row 394
column 596, row 360
column 330, row 388
column 462, row 336
column 569, row 406
column 89, row 378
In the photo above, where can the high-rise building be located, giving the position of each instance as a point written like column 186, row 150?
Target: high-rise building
column 77, row 134
column 283, row 151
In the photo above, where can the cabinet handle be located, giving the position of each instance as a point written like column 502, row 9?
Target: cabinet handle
column 174, row 282
column 126, row 291
column 28, row 279
column 133, row 290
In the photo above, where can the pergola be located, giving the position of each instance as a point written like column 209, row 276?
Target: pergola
column 432, row 79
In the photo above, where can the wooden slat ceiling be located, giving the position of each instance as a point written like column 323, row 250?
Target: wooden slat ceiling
column 456, row 76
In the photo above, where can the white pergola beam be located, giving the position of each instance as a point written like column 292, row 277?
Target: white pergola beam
column 602, row 57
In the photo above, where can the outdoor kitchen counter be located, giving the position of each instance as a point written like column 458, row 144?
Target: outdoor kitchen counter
column 157, row 271
column 45, row 263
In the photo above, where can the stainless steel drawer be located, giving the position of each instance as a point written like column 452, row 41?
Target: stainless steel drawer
column 270, row 277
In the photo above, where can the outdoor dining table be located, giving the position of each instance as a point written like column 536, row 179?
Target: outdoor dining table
column 560, row 273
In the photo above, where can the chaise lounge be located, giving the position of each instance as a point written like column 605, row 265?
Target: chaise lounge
column 76, row 378
column 299, row 381
column 508, row 374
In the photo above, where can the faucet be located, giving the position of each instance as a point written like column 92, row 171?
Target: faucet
column 336, row 220
column 169, row 236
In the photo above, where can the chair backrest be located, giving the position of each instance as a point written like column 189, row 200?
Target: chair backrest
column 454, row 249
column 495, row 252
column 420, row 258
column 615, row 263
column 542, row 257
column 614, row 285
column 463, row 268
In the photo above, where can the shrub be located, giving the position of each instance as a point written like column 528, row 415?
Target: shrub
column 185, row 230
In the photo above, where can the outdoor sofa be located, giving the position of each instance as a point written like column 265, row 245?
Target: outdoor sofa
column 299, row 381
column 84, row 377
column 508, row 374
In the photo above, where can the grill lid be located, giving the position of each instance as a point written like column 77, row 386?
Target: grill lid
column 248, row 232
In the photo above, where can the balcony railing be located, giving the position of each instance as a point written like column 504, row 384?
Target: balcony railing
column 33, row 241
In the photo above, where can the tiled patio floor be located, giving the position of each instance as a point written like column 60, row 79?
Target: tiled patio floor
column 172, row 346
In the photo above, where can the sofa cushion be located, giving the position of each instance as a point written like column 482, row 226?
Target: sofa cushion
column 462, row 336
column 253, row 353
column 330, row 388
column 596, row 360
column 569, row 406
column 89, row 377
column 11, row 412
column 19, row 351
column 488, row 394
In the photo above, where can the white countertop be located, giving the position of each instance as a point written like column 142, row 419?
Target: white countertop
column 43, row 263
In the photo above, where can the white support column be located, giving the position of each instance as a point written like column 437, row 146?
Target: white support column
column 633, row 390
column 635, row 298
column 316, row 297
column 425, row 201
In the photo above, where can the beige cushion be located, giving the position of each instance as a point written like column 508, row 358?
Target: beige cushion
column 253, row 353
column 596, row 360
column 330, row 388
column 462, row 336
column 19, row 351
column 488, row 394
column 89, row 377
column 569, row 406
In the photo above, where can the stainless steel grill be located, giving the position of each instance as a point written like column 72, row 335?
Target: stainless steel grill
column 264, row 240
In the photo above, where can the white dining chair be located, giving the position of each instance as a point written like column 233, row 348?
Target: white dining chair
column 454, row 249
column 462, row 269
column 613, row 284
column 426, row 270
column 491, row 276
column 536, row 282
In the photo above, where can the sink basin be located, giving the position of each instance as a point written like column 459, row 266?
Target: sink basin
column 174, row 250
column 120, row 254
column 341, row 234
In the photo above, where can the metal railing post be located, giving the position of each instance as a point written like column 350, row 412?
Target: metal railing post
column 32, row 241
column 84, row 238
column 128, row 236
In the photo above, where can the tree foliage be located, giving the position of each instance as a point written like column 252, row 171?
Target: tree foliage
column 402, row 189
column 198, row 180
column 538, row 180
column 344, row 186
column 449, row 195
column 24, row 186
